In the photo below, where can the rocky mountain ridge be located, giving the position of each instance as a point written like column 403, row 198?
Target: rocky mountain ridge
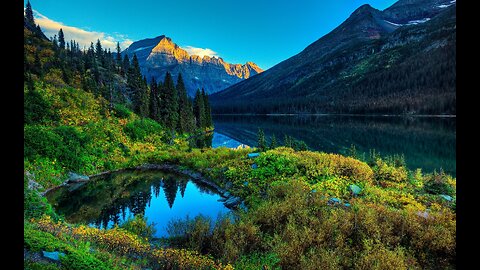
column 158, row 55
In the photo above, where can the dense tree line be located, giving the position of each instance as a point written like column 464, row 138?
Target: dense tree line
column 411, row 71
column 115, row 78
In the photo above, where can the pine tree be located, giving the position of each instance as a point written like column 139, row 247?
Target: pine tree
column 61, row 39
column 99, row 51
column 125, row 65
column 169, row 98
column 261, row 144
column 199, row 109
column 29, row 15
column 139, row 89
column 154, row 101
column 119, row 57
column 185, row 113
column 273, row 142
column 37, row 65
column 55, row 43
column 208, row 112
column 287, row 141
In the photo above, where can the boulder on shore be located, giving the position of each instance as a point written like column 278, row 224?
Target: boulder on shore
column 76, row 178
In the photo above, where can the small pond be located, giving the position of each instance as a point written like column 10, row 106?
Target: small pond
column 112, row 198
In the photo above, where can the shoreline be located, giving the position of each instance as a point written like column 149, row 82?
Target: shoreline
column 338, row 114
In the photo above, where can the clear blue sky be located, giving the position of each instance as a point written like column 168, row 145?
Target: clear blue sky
column 265, row 32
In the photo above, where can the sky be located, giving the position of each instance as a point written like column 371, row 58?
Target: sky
column 260, row 31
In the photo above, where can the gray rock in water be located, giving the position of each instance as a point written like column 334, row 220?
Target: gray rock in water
column 55, row 256
column 232, row 202
column 73, row 178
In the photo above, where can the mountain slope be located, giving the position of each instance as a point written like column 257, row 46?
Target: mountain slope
column 392, row 61
column 158, row 55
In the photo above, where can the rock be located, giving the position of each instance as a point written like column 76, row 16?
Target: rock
column 423, row 214
column 334, row 201
column 226, row 194
column 75, row 178
column 446, row 197
column 232, row 202
column 55, row 256
column 34, row 185
column 243, row 206
column 253, row 155
column 254, row 166
column 228, row 185
column 355, row 189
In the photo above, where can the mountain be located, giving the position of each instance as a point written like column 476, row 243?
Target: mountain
column 399, row 60
column 158, row 55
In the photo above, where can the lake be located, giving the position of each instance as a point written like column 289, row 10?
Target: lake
column 428, row 143
column 159, row 196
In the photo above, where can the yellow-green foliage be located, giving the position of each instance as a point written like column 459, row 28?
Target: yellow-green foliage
column 306, row 232
column 385, row 173
column 76, row 108
column 117, row 241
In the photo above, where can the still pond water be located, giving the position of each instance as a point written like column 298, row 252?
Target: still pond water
column 113, row 198
column 428, row 143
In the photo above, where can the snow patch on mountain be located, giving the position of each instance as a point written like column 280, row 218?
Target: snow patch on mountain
column 418, row 21
column 143, row 48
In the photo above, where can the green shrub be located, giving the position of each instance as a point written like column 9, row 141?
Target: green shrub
column 258, row 261
column 36, row 240
column 139, row 226
column 30, row 265
column 82, row 259
column 41, row 141
column 65, row 144
column 73, row 151
column 193, row 233
column 121, row 111
column 36, row 110
column 34, row 205
column 439, row 183
column 139, row 129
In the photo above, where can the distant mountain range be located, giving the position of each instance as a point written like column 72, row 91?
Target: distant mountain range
column 399, row 60
column 158, row 55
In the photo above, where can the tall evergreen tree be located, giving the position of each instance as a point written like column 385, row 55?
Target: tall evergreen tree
column 138, row 88
column 273, row 142
column 55, row 43
column 37, row 65
column 99, row 51
column 29, row 15
column 119, row 57
column 125, row 65
column 61, row 39
column 169, row 98
column 185, row 114
column 261, row 144
column 154, row 101
column 199, row 109
column 207, row 110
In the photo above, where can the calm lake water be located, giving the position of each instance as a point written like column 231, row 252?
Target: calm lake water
column 428, row 143
column 113, row 198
